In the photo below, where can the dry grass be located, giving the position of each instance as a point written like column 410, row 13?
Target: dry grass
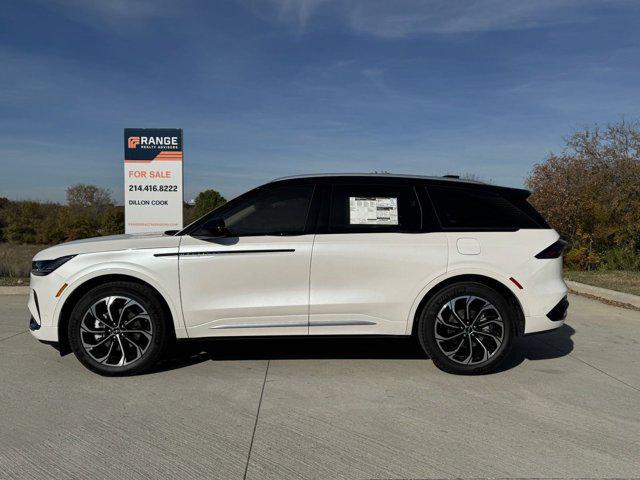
column 15, row 260
column 622, row 281
column 14, row 282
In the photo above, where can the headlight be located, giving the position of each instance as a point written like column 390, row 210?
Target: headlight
column 45, row 267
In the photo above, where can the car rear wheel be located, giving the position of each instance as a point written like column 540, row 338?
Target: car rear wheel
column 118, row 328
column 467, row 328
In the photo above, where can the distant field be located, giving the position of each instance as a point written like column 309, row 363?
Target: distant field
column 622, row 281
column 15, row 262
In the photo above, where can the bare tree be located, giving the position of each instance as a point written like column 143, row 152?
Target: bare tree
column 474, row 177
column 88, row 196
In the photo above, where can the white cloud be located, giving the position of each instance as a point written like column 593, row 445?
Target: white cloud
column 400, row 18
column 297, row 11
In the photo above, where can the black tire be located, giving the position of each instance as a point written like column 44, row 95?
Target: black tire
column 437, row 334
column 143, row 319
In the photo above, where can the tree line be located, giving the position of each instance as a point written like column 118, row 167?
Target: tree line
column 90, row 211
column 589, row 192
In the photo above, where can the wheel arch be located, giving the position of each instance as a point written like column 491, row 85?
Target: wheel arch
column 73, row 298
column 479, row 278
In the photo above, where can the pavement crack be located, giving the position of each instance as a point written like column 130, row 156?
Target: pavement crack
column 255, row 425
column 590, row 365
column 14, row 335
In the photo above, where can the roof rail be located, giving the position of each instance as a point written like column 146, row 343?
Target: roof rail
column 447, row 178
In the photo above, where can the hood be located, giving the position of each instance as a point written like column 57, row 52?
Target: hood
column 109, row 244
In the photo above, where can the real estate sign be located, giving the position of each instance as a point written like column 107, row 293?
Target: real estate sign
column 152, row 179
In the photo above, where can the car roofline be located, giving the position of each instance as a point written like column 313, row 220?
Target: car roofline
column 455, row 180
column 378, row 175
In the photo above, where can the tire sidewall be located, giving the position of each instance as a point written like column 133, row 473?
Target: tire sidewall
column 427, row 320
column 140, row 294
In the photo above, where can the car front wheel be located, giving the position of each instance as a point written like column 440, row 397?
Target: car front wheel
column 467, row 328
column 118, row 328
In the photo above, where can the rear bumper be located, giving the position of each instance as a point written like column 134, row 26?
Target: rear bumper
column 559, row 312
column 553, row 319
column 544, row 295
column 541, row 324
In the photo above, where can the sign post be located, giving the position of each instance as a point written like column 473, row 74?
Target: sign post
column 153, row 195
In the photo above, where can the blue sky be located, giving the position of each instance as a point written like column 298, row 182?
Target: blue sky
column 266, row 88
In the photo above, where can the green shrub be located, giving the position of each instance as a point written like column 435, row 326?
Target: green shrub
column 580, row 257
column 621, row 258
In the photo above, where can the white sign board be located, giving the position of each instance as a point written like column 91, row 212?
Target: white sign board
column 153, row 195
column 373, row 211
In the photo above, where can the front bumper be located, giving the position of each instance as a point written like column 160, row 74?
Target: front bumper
column 42, row 304
column 45, row 334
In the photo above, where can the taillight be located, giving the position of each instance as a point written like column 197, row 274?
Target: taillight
column 554, row 250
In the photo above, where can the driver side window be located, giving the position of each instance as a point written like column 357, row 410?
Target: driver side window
column 271, row 211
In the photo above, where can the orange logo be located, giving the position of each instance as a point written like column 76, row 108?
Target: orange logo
column 133, row 142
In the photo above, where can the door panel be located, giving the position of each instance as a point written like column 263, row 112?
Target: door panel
column 255, row 285
column 366, row 283
column 244, row 267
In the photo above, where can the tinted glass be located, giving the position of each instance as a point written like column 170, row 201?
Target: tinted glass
column 373, row 208
column 268, row 211
column 460, row 208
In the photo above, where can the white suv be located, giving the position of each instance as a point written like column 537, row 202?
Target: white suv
column 462, row 265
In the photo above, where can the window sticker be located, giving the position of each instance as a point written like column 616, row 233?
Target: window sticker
column 373, row 210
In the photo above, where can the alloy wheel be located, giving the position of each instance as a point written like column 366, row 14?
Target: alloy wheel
column 116, row 331
column 469, row 330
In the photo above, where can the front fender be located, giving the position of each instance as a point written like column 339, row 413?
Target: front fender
column 161, row 273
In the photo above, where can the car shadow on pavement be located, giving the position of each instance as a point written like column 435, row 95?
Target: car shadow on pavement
column 548, row 345
column 191, row 352
column 539, row 346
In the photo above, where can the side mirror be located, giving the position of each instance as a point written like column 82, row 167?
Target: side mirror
column 171, row 233
column 214, row 228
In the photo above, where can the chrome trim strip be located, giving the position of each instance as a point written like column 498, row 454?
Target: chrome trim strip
column 328, row 323
column 223, row 252
column 339, row 323
column 258, row 325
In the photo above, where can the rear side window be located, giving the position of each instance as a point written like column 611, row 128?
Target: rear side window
column 469, row 209
column 374, row 208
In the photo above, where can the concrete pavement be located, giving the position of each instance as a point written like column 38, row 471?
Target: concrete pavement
column 566, row 405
